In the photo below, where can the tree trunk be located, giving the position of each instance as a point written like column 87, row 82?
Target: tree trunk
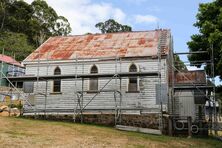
column 3, row 19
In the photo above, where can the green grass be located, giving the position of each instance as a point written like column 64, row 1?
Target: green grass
column 43, row 133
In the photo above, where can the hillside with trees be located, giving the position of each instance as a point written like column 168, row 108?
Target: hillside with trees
column 23, row 26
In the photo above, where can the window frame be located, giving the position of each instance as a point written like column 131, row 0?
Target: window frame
column 60, row 82
column 95, row 79
column 129, row 79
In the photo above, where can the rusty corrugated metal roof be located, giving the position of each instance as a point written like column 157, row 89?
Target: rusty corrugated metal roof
column 126, row 44
column 9, row 60
column 191, row 77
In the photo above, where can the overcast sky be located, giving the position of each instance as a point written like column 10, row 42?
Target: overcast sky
column 179, row 16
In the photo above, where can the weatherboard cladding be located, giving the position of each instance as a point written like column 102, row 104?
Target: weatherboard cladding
column 146, row 99
column 130, row 44
column 126, row 44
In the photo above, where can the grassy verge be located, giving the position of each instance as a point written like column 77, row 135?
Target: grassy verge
column 20, row 132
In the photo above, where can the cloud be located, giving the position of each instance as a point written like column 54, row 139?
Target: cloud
column 84, row 14
column 148, row 19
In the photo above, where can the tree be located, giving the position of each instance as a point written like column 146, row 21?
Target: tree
column 4, row 5
column 2, row 14
column 25, row 26
column 179, row 64
column 209, row 23
column 18, row 16
column 111, row 26
column 50, row 24
column 15, row 43
column 37, row 20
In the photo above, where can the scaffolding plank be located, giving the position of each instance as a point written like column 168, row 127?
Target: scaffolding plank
column 84, row 76
column 196, row 52
column 192, row 87
column 138, row 129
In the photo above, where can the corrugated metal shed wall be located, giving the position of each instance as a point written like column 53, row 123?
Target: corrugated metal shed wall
column 185, row 105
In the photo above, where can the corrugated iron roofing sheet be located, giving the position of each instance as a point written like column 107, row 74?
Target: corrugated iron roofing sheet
column 126, row 44
column 9, row 60
column 191, row 77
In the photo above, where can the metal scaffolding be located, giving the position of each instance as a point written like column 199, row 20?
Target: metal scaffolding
column 117, row 76
column 79, row 94
column 212, row 123
column 12, row 86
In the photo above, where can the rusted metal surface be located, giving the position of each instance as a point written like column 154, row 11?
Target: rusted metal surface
column 128, row 44
column 195, row 77
column 9, row 60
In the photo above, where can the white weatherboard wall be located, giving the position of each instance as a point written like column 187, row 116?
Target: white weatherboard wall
column 146, row 98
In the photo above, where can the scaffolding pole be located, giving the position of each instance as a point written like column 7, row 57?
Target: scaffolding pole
column 215, row 125
column 116, row 114
column 99, row 91
column 75, row 91
column 37, row 85
column 46, row 89
column 4, row 76
column 120, row 106
column 86, row 76
column 161, row 44
column 81, row 101
column 173, row 81
column 2, row 67
column 193, row 86
column 120, row 89
column 80, row 98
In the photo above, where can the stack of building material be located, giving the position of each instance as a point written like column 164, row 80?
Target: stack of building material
column 6, row 111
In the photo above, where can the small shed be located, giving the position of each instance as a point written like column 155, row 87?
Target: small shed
column 10, row 67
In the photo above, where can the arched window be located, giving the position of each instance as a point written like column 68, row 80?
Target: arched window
column 57, row 83
column 93, row 84
column 132, row 87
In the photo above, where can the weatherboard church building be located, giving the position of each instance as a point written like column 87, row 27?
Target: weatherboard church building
column 114, row 78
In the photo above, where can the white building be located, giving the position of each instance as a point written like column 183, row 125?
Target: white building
column 82, row 58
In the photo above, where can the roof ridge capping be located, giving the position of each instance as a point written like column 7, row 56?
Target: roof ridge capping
column 142, row 31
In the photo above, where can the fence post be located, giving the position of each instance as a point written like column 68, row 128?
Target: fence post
column 189, row 122
column 170, row 126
